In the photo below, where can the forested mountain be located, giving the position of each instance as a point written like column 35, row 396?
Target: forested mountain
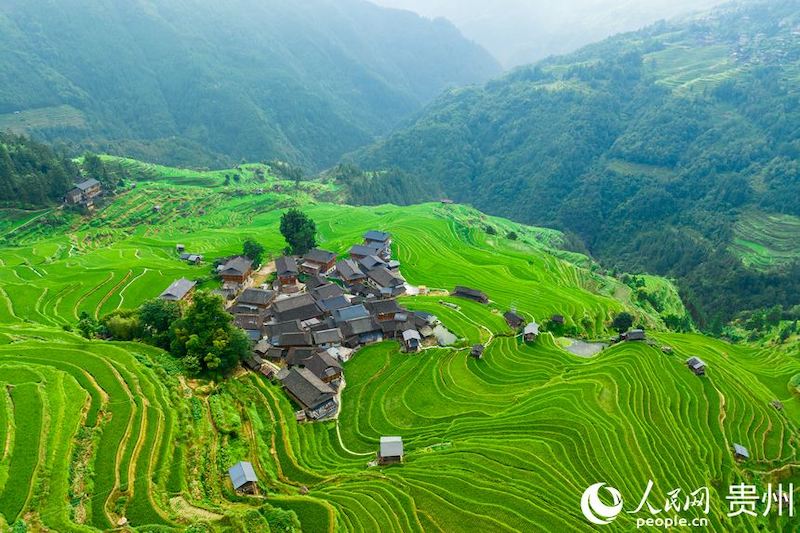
column 32, row 173
column 204, row 82
column 656, row 148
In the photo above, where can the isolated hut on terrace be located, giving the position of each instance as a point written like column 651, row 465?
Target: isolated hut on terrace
column 513, row 320
column 391, row 450
column 696, row 365
column 470, row 294
column 243, row 477
column 179, row 290
column 412, row 340
column 740, row 452
column 530, row 332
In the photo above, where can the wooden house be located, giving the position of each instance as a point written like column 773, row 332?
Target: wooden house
column 84, row 192
column 513, row 320
column 236, row 270
column 412, row 340
column 179, row 291
column 634, row 335
column 349, row 272
column 243, row 478
column 318, row 261
column 391, row 450
column 696, row 365
column 287, row 271
column 380, row 240
column 316, row 398
column 470, row 294
column 477, row 351
column 531, row 332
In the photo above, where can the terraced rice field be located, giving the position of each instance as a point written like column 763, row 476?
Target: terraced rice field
column 94, row 432
column 765, row 241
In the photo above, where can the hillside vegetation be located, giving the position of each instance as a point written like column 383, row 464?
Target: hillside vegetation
column 650, row 146
column 196, row 82
column 98, row 431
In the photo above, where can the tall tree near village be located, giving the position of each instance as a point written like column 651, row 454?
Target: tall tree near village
column 299, row 231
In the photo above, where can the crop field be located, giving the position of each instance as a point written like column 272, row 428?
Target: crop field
column 97, row 434
column 765, row 241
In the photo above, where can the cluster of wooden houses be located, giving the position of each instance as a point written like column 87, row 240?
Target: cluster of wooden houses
column 318, row 312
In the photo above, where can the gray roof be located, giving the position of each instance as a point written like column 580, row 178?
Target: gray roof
column 362, row 250
column 241, row 474
column 300, row 307
column 337, row 302
column 383, row 307
column 317, row 255
column 383, row 278
column 695, row 362
column 307, row 388
column 738, row 449
column 257, row 297
column 411, row 334
column 178, row 290
column 87, row 184
column 350, row 313
column 466, row 292
column 285, row 266
column 359, row 326
column 370, row 262
column 377, row 236
column 329, row 290
column 321, row 364
column 532, row 329
column 293, row 339
column 328, row 336
column 348, row 270
column 391, row 447
column 237, row 266
column 636, row 334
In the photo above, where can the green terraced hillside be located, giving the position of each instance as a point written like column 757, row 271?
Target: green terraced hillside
column 764, row 241
column 97, row 434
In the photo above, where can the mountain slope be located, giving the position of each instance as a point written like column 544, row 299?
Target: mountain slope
column 649, row 146
column 198, row 82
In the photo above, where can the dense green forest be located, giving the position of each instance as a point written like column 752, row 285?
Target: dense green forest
column 31, row 173
column 652, row 147
column 197, row 82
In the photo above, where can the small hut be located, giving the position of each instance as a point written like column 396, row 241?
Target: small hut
column 740, row 452
column 477, row 351
column 391, row 450
column 696, row 365
column 243, row 478
column 531, row 332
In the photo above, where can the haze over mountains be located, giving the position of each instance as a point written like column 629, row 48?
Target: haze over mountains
column 518, row 32
column 199, row 82
column 655, row 148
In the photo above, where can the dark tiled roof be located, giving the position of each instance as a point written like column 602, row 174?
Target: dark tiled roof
column 88, row 184
column 350, row 313
column 249, row 322
column 513, row 319
column 359, row 326
column 337, row 302
column 178, row 290
column 383, row 307
column 377, row 236
column 286, row 266
column 370, row 262
column 329, row 290
column 257, row 297
column 363, row 251
column 348, row 270
column 307, row 388
column 383, row 278
column 327, row 336
column 293, row 339
column 237, row 266
column 300, row 307
column 472, row 294
column 320, row 256
column 290, row 326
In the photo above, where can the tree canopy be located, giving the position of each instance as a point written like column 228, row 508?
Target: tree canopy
column 299, row 231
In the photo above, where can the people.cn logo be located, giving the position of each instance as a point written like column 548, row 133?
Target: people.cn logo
column 595, row 510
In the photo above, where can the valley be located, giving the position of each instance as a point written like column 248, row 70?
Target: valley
column 120, row 435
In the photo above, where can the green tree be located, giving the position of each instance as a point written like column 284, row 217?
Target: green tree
column 156, row 318
column 622, row 322
column 299, row 231
column 513, row 235
column 206, row 339
column 253, row 250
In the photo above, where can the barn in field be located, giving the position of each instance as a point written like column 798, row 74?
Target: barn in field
column 391, row 450
column 243, row 477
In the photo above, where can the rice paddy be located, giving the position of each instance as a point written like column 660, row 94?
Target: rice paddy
column 765, row 241
column 97, row 434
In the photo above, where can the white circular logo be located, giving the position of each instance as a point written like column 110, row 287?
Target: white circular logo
column 595, row 510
